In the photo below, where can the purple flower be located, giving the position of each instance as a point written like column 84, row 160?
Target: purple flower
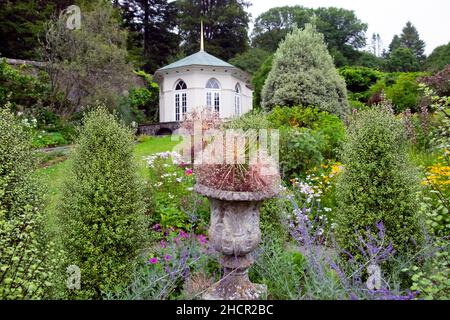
column 153, row 260
column 157, row 227
column 184, row 234
column 202, row 239
column 164, row 155
column 183, row 164
column 167, row 257
column 162, row 244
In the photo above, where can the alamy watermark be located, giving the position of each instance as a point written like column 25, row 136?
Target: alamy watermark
column 374, row 279
column 73, row 277
column 231, row 146
column 73, row 14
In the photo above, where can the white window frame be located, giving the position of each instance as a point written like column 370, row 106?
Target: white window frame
column 213, row 94
column 180, row 100
column 237, row 100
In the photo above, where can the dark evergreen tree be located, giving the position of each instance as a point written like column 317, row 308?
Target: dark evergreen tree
column 225, row 26
column 20, row 23
column 151, row 24
column 395, row 43
column 410, row 39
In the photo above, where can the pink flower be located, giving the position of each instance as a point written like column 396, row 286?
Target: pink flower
column 188, row 172
column 183, row 164
column 167, row 257
column 202, row 239
column 153, row 260
column 184, row 234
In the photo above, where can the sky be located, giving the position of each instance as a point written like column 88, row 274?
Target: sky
column 386, row 17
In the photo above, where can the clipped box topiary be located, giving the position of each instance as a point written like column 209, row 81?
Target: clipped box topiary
column 377, row 184
column 102, row 206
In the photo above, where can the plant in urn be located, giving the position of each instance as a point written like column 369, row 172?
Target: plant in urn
column 236, row 174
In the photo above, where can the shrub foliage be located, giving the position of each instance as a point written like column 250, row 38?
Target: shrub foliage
column 303, row 73
column 26, row 252
column 101, row 210
column 377, row 184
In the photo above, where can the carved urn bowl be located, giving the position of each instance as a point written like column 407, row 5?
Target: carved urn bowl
column 235, row 233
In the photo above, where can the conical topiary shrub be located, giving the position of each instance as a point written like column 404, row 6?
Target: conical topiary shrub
column 102, row 208
column 378, row 184
column 303, row 73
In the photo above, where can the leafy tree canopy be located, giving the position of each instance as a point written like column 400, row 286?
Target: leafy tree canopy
column 225, row 26
column 343, row 31
column 250, row 60
column 439, row 58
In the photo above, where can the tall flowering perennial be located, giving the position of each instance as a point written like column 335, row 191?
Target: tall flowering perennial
column 179, row 258
column 333, row 273
column 438, row 175
column 437, row 206
column 172, row 198
column 409, row 126
column 312, row 190
column 179, row 251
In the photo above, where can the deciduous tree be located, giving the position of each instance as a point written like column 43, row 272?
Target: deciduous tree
column 439, row 58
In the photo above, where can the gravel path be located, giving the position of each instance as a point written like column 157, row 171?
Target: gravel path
column 64, row 149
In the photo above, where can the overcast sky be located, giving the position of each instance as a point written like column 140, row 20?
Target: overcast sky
column 386, row 17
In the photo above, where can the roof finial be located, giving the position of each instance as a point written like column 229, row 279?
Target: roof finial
column 202, row 45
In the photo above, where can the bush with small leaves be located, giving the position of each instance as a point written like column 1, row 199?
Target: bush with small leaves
column 378, row 183
column 300, row 150
column 359, row 80
column 101, row 212
column 303, row 73
column 321, row 122
column 27, row 254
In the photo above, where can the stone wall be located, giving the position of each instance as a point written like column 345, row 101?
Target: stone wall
column 158, row 129
column 34, row 67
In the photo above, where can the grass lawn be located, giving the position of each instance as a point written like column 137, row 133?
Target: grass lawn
column 53, row 176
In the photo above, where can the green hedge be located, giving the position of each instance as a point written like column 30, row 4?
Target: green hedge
column 28, row 257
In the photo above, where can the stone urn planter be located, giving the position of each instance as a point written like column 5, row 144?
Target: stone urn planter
column 235, row 233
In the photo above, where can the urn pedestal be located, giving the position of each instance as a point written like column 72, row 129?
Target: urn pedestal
column 235, row 233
